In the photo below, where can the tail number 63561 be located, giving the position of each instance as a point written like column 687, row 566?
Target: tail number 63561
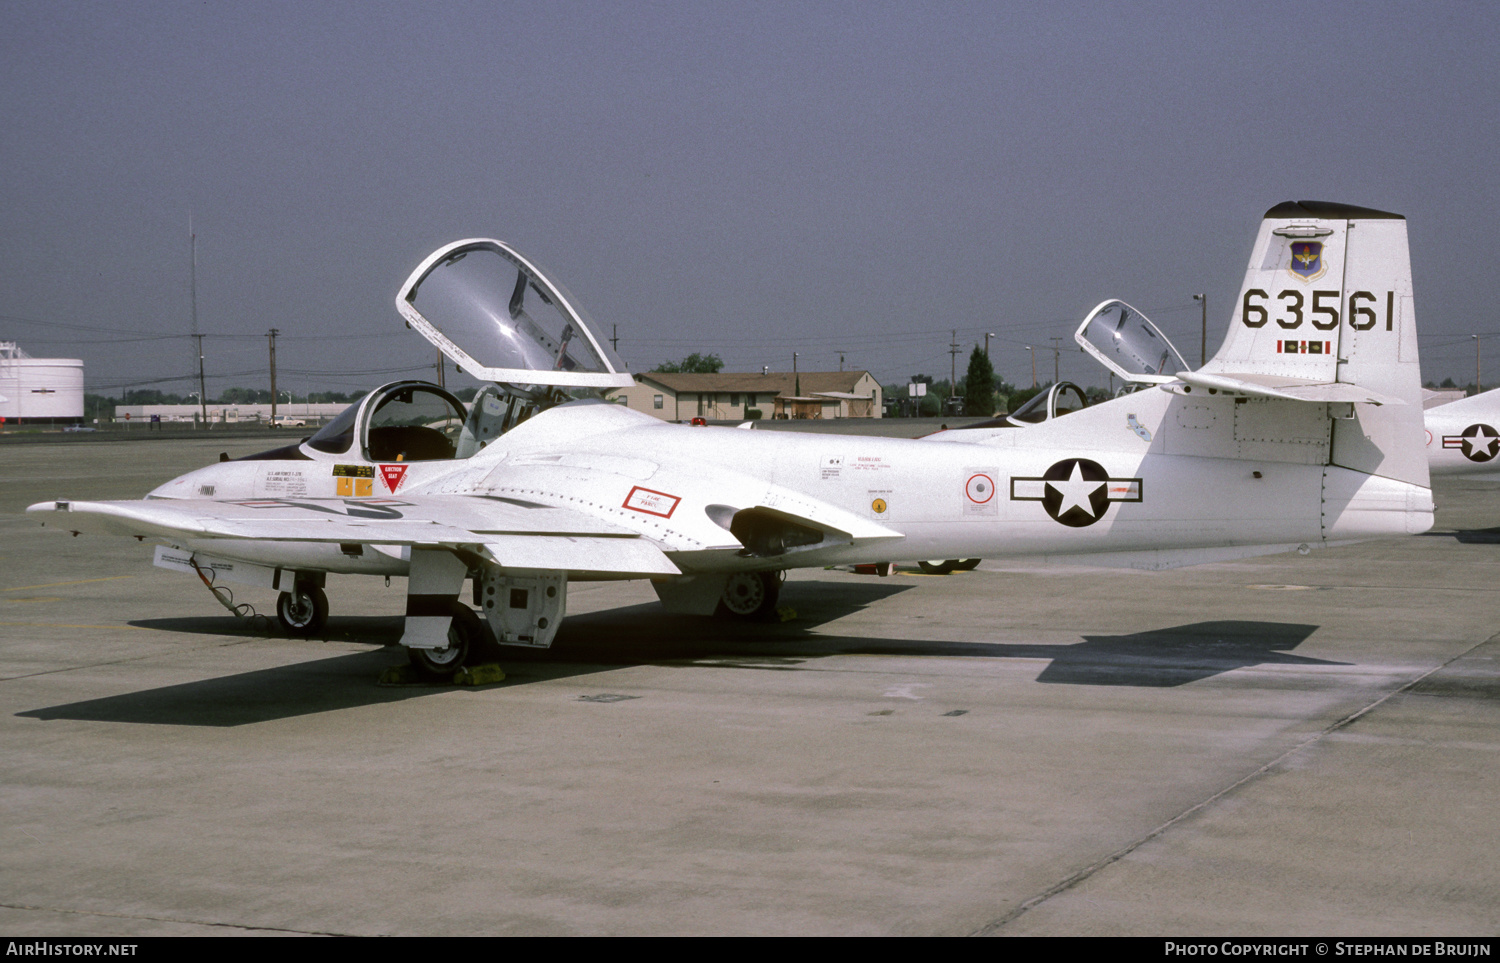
column 1322, row 312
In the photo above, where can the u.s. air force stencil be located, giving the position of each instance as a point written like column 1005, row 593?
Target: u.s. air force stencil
column 1478, row 442
column 1075, row 491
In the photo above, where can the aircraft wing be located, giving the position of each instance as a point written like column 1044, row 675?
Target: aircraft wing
column 516, row 534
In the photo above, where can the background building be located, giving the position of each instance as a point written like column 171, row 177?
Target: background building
column 314, row 413
column 727, row 396
column 39, row 390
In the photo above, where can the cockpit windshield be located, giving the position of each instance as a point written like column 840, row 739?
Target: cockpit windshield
column 1061, row 399
column 414, row 423
column 500, row 319
column 336, row 436
column 404, row 421
column 1128, row 344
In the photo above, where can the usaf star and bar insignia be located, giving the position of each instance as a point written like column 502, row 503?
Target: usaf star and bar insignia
column 1478, row 442
column 1075, row 491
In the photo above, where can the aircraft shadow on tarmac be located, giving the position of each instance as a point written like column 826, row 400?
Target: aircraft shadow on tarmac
column 1157, row 658
column 644, row 635
column 586, row 644
column 1470, row 536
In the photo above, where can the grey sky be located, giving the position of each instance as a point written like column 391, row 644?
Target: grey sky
column 749, row 179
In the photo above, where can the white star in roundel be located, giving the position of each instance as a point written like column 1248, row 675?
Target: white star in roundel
column 1479, row 443
column 1076, row 492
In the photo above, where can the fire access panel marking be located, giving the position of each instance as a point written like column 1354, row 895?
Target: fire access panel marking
column 651, row 502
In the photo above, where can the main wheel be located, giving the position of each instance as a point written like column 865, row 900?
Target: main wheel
column 750, row 595
column 302, row 611
column 967, row 565
column 939, row 566
column 468, row 642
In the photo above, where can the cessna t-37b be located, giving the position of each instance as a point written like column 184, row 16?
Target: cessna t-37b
column 1304, row 431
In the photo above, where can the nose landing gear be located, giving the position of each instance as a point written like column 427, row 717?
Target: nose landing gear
column 303, row 611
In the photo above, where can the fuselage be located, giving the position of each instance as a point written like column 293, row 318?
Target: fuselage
column 1095, row 483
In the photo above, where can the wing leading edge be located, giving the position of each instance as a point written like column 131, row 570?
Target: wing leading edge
column 514, row 534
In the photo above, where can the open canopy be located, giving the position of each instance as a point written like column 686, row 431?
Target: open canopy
column 1125, row 342
column 499, row 318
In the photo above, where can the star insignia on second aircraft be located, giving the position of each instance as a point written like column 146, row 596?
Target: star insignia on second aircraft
column 1075, row 491
column 1478, row 442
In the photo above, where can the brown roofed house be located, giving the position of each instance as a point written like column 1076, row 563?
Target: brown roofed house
column 727, row 396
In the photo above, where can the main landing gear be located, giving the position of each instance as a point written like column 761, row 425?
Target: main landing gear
column 469, row 642
column 944, row 566
column 751, row 596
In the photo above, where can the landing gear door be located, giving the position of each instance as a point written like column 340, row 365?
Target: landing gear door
column 499, row 318
column 1125, row 342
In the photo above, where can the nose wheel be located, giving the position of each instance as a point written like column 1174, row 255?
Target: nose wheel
column 302, row 611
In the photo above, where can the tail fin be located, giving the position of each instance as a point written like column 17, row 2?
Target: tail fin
column 1325, row 315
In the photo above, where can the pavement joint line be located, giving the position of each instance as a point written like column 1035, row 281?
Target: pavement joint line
column 168, row 919
column 1082, row 875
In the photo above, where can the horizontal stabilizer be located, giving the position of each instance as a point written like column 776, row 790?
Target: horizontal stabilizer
column 1289, row 389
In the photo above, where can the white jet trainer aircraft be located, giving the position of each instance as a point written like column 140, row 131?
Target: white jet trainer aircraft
column 1304, row 431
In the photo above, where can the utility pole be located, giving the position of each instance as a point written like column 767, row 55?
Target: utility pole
column 1478, row 385
column 193, row 298
column 1033, row 364
column 987, row 338
column 442, row 369
column 1056, row 361
column 614, row 338
column 953, row 350
column 202, row 398
column 271, row 335
column 1203, row 349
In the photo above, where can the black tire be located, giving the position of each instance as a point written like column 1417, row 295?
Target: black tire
column 469, row 643
column 939, row 567
column 750, row 596
column 302, row 612
column 967, row 565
